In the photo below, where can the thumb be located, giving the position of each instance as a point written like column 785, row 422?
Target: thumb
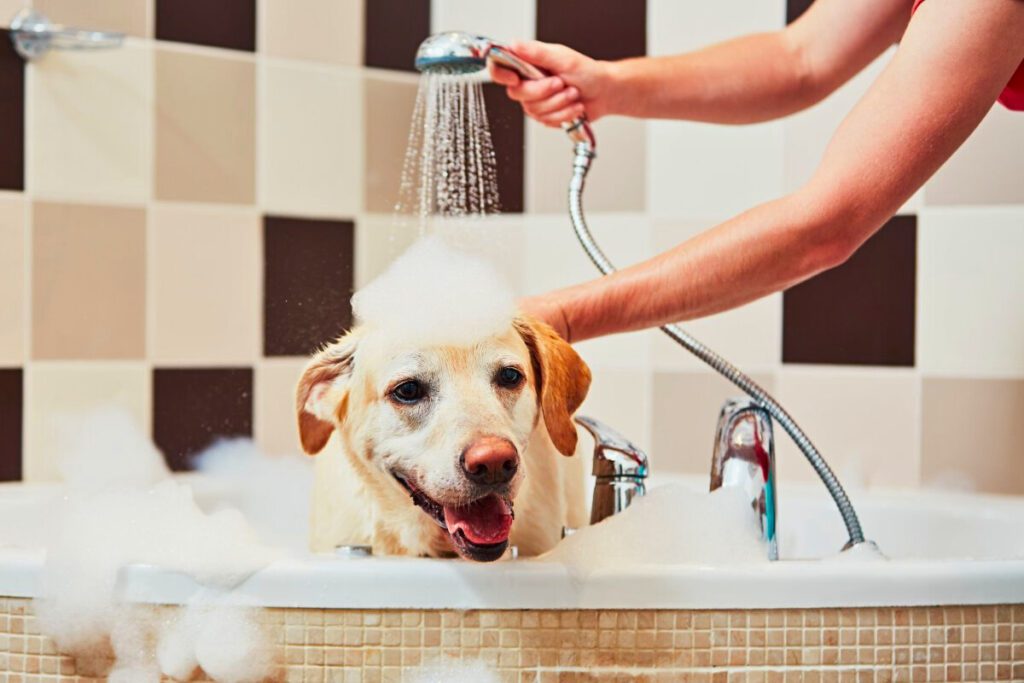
column 551, row 57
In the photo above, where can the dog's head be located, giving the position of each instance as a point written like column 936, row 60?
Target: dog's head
column 447, row 424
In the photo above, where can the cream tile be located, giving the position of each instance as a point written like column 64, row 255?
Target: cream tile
column 13, row 295
column 970, row 318
column 684, row 416
column 8, row 8
column 134, row 17
column 54, row 391
column 91, row 127
column 317, row 30
column 674, row 27
column 617, row 180
column 502, row 21
column 864, row 422
column 311, row 132
column 205, row 126
column 388, row 102
column 206, row 284
column 275, row 427
column 622, row 400
column 971, row 433
column 379, row 240
column 988, row 167
column 88, row 281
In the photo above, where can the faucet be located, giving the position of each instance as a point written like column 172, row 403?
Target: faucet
column 620, row 469
column 744, row 458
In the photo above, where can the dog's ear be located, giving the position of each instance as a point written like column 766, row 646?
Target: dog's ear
column 322, row 394
column 562, row 380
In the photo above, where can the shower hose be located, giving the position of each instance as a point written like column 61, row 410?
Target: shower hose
column 584, row 154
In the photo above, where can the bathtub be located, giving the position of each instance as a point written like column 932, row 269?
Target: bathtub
column 948, row 604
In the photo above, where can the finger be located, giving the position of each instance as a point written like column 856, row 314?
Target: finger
column 501, row 75
column 549, row 56
column 556, row 102
column 541, row 89
column 566, row 115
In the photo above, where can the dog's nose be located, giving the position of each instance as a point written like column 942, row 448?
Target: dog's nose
column 490, row 460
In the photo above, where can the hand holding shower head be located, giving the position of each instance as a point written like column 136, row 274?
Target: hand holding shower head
column 458, row 52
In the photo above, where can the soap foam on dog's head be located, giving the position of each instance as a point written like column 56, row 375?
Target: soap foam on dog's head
column 436, row 294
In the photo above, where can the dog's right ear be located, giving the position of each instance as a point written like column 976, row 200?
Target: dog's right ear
column 322, row 395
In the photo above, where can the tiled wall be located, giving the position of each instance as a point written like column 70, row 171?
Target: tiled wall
column 182, row 221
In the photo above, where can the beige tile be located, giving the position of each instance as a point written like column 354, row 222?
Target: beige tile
column 988, row 167
column 622, row 400
column 134, row 17
column 13, row 294
column 674, row 27
column 311, row 140
column 970, row 433
column 502, row 21
column 92, row 120
column 205, row 126
column 275, row 427
column 55, row 391
column 388, row 102
column 8, row 8
column 684, row 415
column 379, row 240
column 88, row 281
column 206, row 284
column 864, row 422
column 969, row 286
column 318, row 30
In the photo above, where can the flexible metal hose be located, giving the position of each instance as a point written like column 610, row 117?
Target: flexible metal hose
column 581, row 165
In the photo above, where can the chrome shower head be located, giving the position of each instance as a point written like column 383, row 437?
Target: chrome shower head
column 452, row 52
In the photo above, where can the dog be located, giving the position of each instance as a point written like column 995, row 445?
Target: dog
column 444, row 450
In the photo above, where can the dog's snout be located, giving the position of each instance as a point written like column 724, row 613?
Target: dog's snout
column 490, row 460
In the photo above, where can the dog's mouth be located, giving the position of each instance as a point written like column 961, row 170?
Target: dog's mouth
column 479, row 530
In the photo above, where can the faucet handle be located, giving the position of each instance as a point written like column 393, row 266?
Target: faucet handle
column 614, row 454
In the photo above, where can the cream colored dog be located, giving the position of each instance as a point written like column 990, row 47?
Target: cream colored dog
column 437, row 443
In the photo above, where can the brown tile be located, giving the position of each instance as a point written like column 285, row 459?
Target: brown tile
column 391, row 44
column 205, row 127
column 508, row 135
column 862, row 312
column 960, row 417
column 12, row 115
column 794, row 8
column 88, row 281
column 308, row 277
column 602, row 29
column 193, row 407
column 388, row 106
column 128, row 16
column 224, row 23
column 10, row 424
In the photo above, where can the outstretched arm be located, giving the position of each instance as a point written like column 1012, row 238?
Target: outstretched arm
column 954, row 59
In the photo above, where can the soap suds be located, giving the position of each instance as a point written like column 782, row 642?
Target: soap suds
column 436, row 294
column 454, row 671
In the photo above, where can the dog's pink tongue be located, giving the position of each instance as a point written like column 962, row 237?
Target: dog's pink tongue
column 484, row 522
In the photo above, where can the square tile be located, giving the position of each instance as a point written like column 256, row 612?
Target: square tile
column 859, row 313
column 970, row 429
column 12, row 115
column 507, row 127
column 205, row 278
column 379, row 240
column 92, row 120
column 55, row 391
column 194, row 407
column 88, row 281
column 388, row 103
column 602, row 29
column 795, row 8
column 13, row 293
column 674, row 27
column 226, row 23
column 311, row 143
column 307, row 283
column 622, row 400
column 391, row 44
column 205, row 127
column 969, row 291
column 275, row 426
column 11, row 410
column 134, row 17
column 314, row 30
column 501, row 21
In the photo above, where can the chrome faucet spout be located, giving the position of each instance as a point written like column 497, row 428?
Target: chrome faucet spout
column 620, row 470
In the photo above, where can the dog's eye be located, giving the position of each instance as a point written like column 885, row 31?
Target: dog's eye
column 408, row 392
column 509, row 377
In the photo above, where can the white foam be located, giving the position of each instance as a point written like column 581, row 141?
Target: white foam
column 435, row 294
column 672, row 524
column 454, row 671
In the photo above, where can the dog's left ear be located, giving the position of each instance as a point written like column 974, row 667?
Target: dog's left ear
column 562, row 380
column 322, row 395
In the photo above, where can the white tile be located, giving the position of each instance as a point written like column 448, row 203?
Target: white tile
column 310, row 133
column 970, row 282
column 674, row 26
column 91, row 125
column 275, row 428
column 504, row 21
column 55, row 391
column 622, row 400
column 380, row 239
